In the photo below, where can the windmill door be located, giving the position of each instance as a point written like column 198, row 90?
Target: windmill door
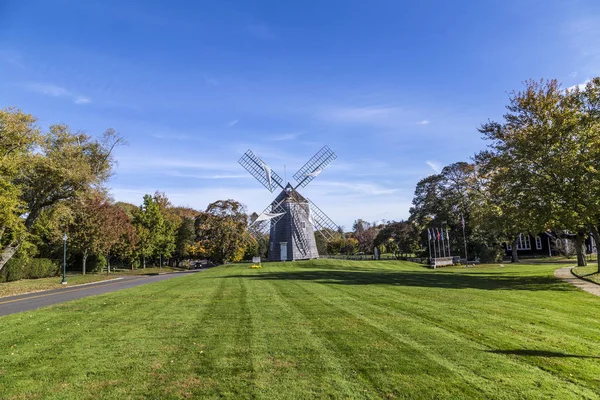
column 283, row 251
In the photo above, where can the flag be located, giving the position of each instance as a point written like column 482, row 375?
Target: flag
column 429, row 234
column 447, row 234
column 462, row 221
column 438, row 233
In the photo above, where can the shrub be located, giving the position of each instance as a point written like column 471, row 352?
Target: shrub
column 95, row 263
column 40, row 268
column 13, row 270
column 20, row 268
column 491, row 254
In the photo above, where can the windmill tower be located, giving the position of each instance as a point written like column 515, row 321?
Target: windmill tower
column 291, row 219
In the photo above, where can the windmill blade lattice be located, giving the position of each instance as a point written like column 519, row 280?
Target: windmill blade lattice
column 321, row 221
column 261, row 171
column 269, row 217
column 314, row 166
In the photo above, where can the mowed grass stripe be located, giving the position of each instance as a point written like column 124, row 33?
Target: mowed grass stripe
column 292, row 356
column 513, row 315
column 432, row 341
column 316, row 329
column 387, row 363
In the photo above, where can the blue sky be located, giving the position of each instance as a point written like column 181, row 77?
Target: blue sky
column 396, row 89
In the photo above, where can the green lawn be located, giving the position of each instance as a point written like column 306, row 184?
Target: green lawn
column 324, row 329
column 590, row 272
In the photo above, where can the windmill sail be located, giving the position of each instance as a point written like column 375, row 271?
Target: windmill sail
column 314, row 166
column 261, row 171
column 268, row 218
column 322, row 223
column 290, row 220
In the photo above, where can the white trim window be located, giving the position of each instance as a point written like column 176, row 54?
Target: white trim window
column 538, row 242
column 524, row 242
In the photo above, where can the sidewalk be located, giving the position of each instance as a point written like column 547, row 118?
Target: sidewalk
column 566, row 275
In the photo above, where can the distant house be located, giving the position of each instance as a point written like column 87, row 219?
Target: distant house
column 546, row 244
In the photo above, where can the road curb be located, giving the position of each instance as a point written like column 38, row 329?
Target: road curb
column 92, row 283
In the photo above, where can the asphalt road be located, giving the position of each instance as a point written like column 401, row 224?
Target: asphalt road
column 32, row 301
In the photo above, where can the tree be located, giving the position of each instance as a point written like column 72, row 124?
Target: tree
column 446, row 199
column 63, row 167
column 364, row 233
column 148, row 222
column 166, row 233
column 86, row 232
column 18, row 137
column 542, row 158
column 221, row 231
column 401, row 238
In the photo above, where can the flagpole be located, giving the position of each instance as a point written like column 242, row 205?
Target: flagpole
column 434, row 253
column 443, row 243
column 448, row 240
column 437, row 237
column 429, row 245
column 462, row 217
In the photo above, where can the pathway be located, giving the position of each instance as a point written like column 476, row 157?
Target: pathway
column 566, row 275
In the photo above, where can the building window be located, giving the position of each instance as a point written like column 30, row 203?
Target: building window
column 524, row 242
column 303, row 225
column 271, row 247
column 538, row 242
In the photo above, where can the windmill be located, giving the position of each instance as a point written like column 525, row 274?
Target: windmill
column 291, row 219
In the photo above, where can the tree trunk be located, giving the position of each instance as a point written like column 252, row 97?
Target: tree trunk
column 596, row 236
column 579, row 242
column 108, row 263
column 7, row 252
column 514, row 255
column 84, row 257
column 144, row 261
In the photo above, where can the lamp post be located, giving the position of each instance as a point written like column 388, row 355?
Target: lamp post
column 64, row 280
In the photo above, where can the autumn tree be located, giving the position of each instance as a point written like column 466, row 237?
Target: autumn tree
column 60, row 166
column 364, row 233
column 542, row 159
column 221, row 231
column 18, row 138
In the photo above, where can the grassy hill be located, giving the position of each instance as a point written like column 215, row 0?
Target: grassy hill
column 322, row 328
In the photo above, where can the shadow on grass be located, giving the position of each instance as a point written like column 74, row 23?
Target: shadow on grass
column 539, row 353
column 419, row 279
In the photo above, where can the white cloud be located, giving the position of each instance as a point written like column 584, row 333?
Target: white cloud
column 82, row 100
column 363, row 188
column 579, row 86
column 424, row 122
column 286, row 136
column 573, row 74
column 232, row 123
column 12, row 58
column 434, row 166
column 49, row 89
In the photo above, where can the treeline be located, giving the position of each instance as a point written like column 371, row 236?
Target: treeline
column 53, row 184
column 539, row 173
